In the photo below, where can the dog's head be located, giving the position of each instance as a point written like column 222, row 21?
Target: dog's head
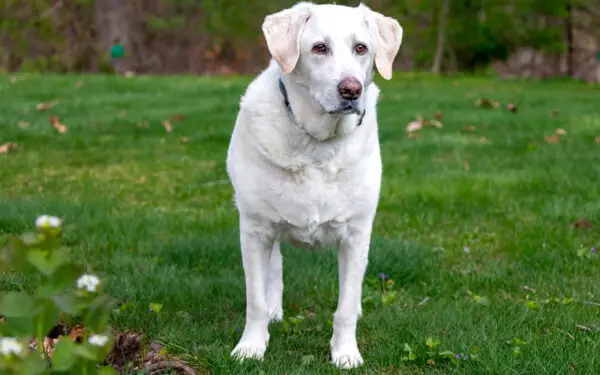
column 331, row 50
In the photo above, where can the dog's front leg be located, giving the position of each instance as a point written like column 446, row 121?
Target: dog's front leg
column 352, row 262
column 256, row 255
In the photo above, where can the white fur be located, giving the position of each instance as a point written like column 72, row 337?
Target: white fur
column 311, row 178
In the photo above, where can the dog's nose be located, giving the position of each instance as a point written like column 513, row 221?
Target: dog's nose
column 350, row 88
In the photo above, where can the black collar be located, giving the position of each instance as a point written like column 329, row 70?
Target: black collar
column 286, row 102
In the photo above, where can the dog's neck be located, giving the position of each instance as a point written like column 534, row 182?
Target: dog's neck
column 312, row 118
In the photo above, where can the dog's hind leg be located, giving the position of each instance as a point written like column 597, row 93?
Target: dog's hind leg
column 275, row 285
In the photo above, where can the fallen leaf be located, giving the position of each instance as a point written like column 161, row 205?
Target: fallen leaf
column 76, row 334
column 167, row 125
column 434, row 123
column 561, row 131
column 467, row 166
column 184, row 140
column 582, row 224
column 413, row 126
column 177, row 117
column 483, row 140
column 125, row 350
column 42, row 107
column 55, row 121
column 552, row 139
column 597, row 140
column 5, row 148
column 23, row 124
column 438, row 115
column 511, row 107
column 413, row 135
column 79, row 84
column 554, row 113
column 143, row 124
column 141, row 180
column 469, row 128
column 487, row 103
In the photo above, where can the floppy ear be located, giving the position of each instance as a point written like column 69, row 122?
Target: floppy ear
column 282, row 33
column 388, row 37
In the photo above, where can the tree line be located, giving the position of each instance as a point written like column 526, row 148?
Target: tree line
column 223, row 36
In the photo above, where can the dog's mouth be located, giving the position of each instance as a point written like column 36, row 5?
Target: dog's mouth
column 347, row 107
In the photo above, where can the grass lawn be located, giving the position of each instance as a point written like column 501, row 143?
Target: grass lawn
column 475, row 224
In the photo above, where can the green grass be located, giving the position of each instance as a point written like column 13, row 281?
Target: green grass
column 154, row 216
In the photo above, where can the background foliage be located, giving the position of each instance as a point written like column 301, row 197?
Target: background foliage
column 223, row 36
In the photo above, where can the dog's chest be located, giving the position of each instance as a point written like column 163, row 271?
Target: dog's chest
column 314, row 206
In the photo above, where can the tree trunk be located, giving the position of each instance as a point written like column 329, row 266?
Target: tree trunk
column 441, row 38
column 115, row 23
column 569, row 32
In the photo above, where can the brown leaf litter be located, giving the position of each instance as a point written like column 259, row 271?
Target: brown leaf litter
column 420, row 123
column 582, row 224
column 167, row 125
column 55, row 121
column 6, row 147
column 127, row 353
column 487, row 103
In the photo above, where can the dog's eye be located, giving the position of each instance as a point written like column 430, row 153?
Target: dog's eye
column 360, row 49
column 320, row 48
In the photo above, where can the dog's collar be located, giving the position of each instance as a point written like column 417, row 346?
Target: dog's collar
column 286, row 102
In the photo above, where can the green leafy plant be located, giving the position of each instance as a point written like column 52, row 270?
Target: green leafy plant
column 432, row 356
column 61, row 290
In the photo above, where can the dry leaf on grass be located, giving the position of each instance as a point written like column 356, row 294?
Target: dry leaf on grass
column 511, row 107
column 5, row 148
column 483, row 140
column 79, row 84
column 469, row 128
column 582, row 224
column 184, row 140
column 177, row 117
column 467, row 166
column 597, row 140
column 143, row 125
column 167, row 125
column 413, row 126
column 487, row 103
column 561, row 131
column 42, row 107
column 554, row 113
column 55, row 121
column 23, row 124
column 438, row 115
column 420, row 123
column 413, row 135
column 552, row 139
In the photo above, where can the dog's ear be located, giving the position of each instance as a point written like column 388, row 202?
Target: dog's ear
column 388, row 37
column 282, row 33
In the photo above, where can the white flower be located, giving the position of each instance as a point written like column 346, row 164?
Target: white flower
column 98, row 340
column 10, row 345
column 88, row 282
column 45, row 221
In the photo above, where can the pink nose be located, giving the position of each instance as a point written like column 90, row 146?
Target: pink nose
column 350, row 88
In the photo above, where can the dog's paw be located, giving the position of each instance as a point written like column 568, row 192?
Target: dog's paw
column 246, row 349
column 276, row 314
column 346, row 357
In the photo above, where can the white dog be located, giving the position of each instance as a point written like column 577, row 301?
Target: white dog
column 304, row 159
